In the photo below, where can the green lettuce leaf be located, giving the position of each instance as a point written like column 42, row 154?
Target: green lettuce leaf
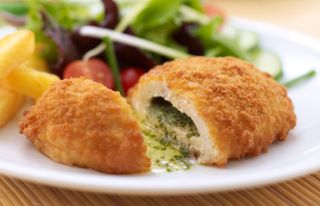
column 35, row 24
column 195, row 4
column 217, row 44
column 158, row 19
column 207, row 31
column 160, row 34
column 15, row 8
column 156, row 13
column 67, row 13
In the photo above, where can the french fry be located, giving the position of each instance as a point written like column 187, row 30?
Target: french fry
column 10, row 103
column 36, row 62
column 29, row 82
column 15, row 49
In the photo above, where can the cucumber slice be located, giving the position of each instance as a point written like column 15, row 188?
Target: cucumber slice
column 230, row 47
column 247, row 40
column 269, row 63
column 229, row 32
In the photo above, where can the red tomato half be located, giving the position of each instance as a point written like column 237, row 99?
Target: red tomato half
column 130, row 76
column 93, row 69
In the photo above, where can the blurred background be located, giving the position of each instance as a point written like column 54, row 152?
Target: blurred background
column 54, row 55
column 302, row 16
column 298, row 15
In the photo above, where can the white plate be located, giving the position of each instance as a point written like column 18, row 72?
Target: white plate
column 297, row 156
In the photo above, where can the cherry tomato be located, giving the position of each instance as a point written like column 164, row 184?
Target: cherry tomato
column 130, row 76
column 212, row 10
column 94, row 69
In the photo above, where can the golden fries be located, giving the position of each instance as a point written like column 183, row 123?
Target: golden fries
column 29, row 82
column 17, row 76
column 10, row 103
column 15, row 49
column 37, row 63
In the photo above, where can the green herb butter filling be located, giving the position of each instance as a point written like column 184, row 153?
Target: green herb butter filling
column 167, row 134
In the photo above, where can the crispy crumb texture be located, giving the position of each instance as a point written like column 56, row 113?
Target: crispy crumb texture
column 80, row 122
column 243, row 109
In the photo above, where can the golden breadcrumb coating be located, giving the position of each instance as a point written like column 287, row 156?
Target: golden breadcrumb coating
column 244, row 109
column 80, row 122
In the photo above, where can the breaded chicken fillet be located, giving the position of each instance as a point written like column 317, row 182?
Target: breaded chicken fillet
column 80, row 122
column 237, row 109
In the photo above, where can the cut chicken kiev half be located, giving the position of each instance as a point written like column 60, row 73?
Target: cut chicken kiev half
column 80, row 122
column 216, row 108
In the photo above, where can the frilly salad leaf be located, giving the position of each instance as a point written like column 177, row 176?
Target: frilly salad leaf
column 66, row 50
column 69, row 13
column 52, row 21
column 35, row 23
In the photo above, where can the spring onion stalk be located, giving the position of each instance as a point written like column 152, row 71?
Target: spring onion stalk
column 97, row 32
column 124, row 23
column 112, row 61
column 94, row 52
column 298, row 80
column 190, row 14
column 129, row 18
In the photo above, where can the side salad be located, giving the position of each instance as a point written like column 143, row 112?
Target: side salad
column 115, row 41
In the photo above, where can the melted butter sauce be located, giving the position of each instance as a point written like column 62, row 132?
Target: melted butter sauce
column 164, row 157
column 162, row 128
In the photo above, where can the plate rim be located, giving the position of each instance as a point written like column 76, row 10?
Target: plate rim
column 274, row 176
